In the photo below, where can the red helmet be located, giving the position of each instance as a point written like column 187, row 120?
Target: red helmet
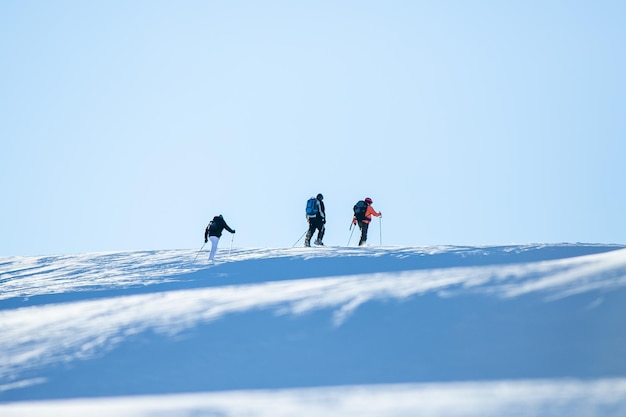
column 368, row 200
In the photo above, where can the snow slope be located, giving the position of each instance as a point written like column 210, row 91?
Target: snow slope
column 516, row 330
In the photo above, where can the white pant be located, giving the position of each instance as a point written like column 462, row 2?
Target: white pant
column 214, row 241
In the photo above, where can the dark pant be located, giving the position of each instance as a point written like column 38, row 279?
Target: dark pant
column 315, row 223
column 363, row 226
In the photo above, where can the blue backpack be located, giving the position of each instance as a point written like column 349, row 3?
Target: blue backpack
column 312, row 207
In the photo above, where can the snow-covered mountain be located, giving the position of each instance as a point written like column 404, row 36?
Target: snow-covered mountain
column 519, row 330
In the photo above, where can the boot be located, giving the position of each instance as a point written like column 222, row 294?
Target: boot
column 307, row 242
column 318, row 242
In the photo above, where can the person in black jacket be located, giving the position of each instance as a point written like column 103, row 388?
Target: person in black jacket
column 213, row 232
column 317, row 221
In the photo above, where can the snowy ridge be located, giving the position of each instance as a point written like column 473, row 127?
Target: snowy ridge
column 537, row 322
column 26, row 276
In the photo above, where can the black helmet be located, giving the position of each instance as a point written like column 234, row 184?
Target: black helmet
column 320, row 197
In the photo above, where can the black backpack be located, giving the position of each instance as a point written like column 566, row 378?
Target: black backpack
column 206, row 232
column 214, row 226
column 359, row 210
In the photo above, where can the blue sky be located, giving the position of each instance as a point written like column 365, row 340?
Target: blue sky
column 128, row 125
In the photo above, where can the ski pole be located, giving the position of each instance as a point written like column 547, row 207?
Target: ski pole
column 300, row 238
column 380, row 224
column 231, row 244
column 194, row 259
column 352, row 231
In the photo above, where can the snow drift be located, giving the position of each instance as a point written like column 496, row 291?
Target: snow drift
column 447, row 330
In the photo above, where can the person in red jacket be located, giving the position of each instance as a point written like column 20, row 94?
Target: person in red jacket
column 364, row 219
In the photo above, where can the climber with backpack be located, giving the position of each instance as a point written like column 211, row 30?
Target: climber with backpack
column 363, row 212
column 316, row 216
column 213, row 232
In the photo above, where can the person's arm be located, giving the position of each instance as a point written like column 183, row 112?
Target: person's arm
column 227, row 227
column 371, row 212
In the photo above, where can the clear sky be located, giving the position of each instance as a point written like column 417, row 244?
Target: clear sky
column 127, row 125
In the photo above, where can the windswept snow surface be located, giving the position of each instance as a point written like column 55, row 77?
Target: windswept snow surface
column 520, row 330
